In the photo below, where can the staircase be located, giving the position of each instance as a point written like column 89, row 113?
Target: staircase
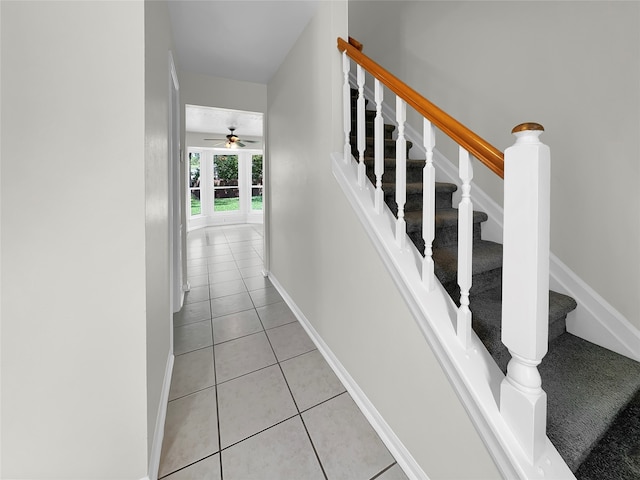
column 593, row 394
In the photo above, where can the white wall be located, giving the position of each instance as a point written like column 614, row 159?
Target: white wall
column 158, row 42
column 572, row 66
column 324, row 259
column 74, row 381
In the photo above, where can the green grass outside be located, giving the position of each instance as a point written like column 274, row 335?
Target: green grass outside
column 226, row 204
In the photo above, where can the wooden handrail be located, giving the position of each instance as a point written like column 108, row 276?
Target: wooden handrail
column 475, row 145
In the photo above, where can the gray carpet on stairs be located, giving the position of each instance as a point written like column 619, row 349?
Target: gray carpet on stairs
column 586, row 387
column 617, row 456
column 593, row 393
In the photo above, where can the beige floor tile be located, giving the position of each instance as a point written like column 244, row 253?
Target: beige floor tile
column 236, row 325
column 223, row 289
column 192, row 313
column 207, row 469
column 282, row 452
column 252, row 403
column 394, row 473
column 290, row 340
column 196, row 294
column 275, row 315
column 257, row 283
column 347, row 445
column 265, row 296
column 190, row 432
column 231, row 304
column 192, row 372
column 193, row 336
column 243, row 355
column 311, row 380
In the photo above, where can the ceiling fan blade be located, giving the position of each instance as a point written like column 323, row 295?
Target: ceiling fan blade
column 240, row 144
column 250, row 141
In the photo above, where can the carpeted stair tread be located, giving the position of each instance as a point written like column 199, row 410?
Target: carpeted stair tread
column 586, row 387
column 412, row 188
column 486, row 308
column 617, row 455
column 445, row 217
column 486, row 256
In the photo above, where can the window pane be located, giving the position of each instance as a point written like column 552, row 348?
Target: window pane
column 195, row 202
column 194, row 165
column 256, row 170
column 225, row 170
column 226, row 199
column 256, row 198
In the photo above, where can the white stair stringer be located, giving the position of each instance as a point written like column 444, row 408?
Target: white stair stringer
column 473, row 374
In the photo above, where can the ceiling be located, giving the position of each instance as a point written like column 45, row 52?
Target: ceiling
column 216, row 121
column 240, row 40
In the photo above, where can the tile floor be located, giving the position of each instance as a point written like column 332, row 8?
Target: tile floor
column 251, row 397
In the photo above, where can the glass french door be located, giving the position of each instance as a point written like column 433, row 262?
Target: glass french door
column 225, row 186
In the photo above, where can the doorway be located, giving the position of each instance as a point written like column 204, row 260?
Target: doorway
column 225, row 172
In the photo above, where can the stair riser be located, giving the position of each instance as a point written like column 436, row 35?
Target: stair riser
column 414, row 173
column 369, row 130
column 449, row 235
column 480, row 283
column 389, row 147
column 443, row 236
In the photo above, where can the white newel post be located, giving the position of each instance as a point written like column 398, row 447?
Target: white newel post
column 525, row 286
column 378, row 136
column 428, row 205
column 465, row 248
column 361, row 134
column 401, row 172
column 346, row 107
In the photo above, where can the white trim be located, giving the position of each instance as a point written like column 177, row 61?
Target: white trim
column 397, row 449
column 595, row 320
column 473, row 374
column 158, row 436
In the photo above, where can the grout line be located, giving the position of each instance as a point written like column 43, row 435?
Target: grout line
column 215, row 385
column 258, row 433
column 187, row 466
column 191, row 351
column 297, row 408
column 194, row 392
column 248, row 373
column 241, row 336
column 323, row 401
column 378, row 475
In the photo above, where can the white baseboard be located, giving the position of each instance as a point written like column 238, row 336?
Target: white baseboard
column 158, row 436
column 595, row 320
column 392, row 442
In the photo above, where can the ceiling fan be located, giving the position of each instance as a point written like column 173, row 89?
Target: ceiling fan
column 231, row 141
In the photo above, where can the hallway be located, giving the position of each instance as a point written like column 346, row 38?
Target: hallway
column 251, row 397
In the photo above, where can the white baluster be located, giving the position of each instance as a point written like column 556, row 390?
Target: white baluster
column 379, row 146
column 401, row 172
column 465, row 248
column 362, row 135
column 525, row 286
column 428, row 205
column 346, row 107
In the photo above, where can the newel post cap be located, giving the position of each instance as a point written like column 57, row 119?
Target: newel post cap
column 528, row 132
